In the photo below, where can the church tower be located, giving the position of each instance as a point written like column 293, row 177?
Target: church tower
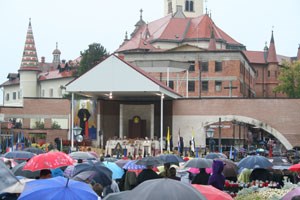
column 29, row 68
column 191, row 8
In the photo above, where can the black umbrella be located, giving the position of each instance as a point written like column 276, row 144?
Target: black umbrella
column 149, row 161
column 34, row 150
column 82, row 155
column 18, row 171
column 256, row 161
column 199, row 163
column 170, row 158
column 103, row 175
column 159, row 189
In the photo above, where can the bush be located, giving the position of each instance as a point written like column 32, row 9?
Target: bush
column 55, row 125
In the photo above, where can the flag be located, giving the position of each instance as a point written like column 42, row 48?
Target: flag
column 168, row 140
column 178, row 143
column 193, row 141
column 230, row 153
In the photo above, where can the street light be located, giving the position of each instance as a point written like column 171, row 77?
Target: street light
column 210, row 134
column 76, row 133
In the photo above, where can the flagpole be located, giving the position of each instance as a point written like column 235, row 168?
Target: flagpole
column 161, row 121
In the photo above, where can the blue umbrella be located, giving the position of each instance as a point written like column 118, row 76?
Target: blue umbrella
column 215, row 155
column 170, row 158
column 255, row 161
column 117, row 172
column 19, row 155
column 131, row 165
column 103, row 175
column 57, row 188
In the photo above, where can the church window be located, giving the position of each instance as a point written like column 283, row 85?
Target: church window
column 170, row 7
column 191, row 86
column 171, row 84
column 204, row 86
column 7, row 97
column 14, row 95
column 43, row 93
column 218, row 85
column 189, row 5
column 51, row 92
column 192, row 66
column 204, row 66
column 218, row 66
column 269, row 73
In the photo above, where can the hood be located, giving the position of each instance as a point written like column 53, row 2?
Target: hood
column 217, row 167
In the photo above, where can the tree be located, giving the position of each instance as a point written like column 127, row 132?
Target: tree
column 289, row 80
column 91, row 57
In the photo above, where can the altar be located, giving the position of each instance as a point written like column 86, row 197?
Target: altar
column 134, row 147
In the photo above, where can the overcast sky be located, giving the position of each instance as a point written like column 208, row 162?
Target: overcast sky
column 75, row 24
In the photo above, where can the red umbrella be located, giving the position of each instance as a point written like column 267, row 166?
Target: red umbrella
column 50, row 160
column 211, row 192
column 295, row 168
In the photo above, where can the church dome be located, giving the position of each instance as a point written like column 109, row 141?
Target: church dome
column 56, row 51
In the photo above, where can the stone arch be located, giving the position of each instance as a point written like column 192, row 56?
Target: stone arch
column 252, row 121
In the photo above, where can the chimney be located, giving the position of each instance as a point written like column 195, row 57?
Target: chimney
column 43, row 59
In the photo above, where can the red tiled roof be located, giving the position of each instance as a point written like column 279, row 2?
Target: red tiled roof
column 255, row 57
column 54, row 75
column 177, row 29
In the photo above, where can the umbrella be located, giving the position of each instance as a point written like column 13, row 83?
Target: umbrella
column 291, row 194
column 18, row 187
column 215, row 155
column 159, row 189
column 82, row 155
column 255, row 161
column 7, row 178
column 295, row 168
column 103, row 175
column 34, row 150
column 117, row 172
column 110, row 159
column 19, row 155
column 199, row 163
column 149, row 161
column 230, row 168
column 122, row 162
column 50, row 160
column 133, row 167
column 13, row 163
column 18, row 171
column 170, row 158
column 57, row 188
column 211, row 192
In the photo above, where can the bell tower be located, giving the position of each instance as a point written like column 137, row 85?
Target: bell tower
column 191, row 8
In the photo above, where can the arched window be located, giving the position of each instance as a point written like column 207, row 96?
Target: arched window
column 189, row 5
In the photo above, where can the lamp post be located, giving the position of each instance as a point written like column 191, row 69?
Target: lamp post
column 77, row 135
column 210, row 134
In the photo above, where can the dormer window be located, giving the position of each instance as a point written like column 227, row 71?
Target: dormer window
column 189, row 5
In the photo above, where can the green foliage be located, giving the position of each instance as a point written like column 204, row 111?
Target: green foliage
column 289, row 80
column 91, row 57
column 55, row 125
column 39, row 125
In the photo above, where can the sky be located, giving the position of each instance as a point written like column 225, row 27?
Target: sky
column 75, row 24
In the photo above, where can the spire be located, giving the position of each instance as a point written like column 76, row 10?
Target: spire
column 298, row 54
column 266, row 49
column 212, row 42
column 272, row 56
column 29, row 60
column 126, row 36
column 139, row 24
column 56, row 56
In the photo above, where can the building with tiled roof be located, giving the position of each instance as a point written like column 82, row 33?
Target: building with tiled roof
column 197, row 40
column 37, row 79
